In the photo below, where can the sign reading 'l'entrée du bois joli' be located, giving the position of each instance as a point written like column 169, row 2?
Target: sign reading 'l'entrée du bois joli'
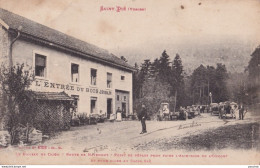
column 70, row 87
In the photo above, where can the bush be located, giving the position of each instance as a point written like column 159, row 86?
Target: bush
column 14, row 81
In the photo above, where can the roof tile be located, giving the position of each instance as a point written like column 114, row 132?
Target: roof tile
column 49, row 95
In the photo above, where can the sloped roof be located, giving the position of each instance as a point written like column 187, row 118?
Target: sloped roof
column 49, row 96
column 37, row 30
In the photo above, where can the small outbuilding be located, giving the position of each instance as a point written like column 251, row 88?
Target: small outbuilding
column 48, row 111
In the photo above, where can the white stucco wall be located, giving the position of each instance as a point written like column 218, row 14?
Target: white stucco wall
column 59, row 72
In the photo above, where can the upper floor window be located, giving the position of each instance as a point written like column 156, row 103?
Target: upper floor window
column 122, row 77
column 74, row 73
column 93, row 74
column 40, row 65
column 109, row 80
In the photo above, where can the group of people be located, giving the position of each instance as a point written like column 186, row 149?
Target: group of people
column 122, row 113
column 142, row 115
column 233, row 110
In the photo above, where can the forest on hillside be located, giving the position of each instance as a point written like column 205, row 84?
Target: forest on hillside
column 164, row 80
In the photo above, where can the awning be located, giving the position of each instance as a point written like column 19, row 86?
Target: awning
column 61, row 96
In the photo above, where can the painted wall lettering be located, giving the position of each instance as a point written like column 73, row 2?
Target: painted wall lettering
column 71, row 87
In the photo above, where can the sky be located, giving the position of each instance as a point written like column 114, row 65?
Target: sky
column 200, row 31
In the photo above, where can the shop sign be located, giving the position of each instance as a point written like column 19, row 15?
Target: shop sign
column 70, row 87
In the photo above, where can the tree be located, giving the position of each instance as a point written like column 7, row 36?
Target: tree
column 151, row 83
column 210, row 79
column 254, row 77
column 221, row 75
column 137, row 83
column 155, row 67
column 154, row 93
column 177, row 80
column 210, row 82
column 199, row 82
column 145, row 68
column 15, row 81
column 236, row 86
column 164, row 67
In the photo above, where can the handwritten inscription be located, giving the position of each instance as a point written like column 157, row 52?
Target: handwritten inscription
column 95, row 149
column 193, row 124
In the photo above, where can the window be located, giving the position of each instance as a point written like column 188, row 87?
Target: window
column 74, row 73
column 122, row 77
column 124, row 98
column 117, row 97
column 109, row 80
column 40, row 65
column 93, row 77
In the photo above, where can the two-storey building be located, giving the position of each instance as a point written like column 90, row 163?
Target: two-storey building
column 96, row 79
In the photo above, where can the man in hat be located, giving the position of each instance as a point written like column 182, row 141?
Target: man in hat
column 142, row 117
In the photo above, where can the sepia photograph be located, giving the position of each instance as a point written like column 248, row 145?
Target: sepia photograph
column 129, row 82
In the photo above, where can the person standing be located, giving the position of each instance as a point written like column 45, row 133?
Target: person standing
column 142, row 117
column 241, row 112
column 221, row 111
column 118, row 114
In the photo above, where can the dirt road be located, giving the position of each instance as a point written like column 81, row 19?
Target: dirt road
column 205, row 139
column 203, row 132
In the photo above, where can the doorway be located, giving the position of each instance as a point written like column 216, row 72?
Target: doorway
column 93, row 104
column 109, row 107
column 123, row 110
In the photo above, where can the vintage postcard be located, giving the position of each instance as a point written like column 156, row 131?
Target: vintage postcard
column 129, row 82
